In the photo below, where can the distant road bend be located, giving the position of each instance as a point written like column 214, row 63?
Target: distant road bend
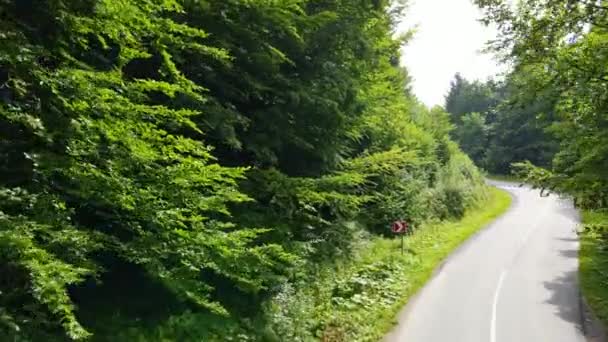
column 516, row 281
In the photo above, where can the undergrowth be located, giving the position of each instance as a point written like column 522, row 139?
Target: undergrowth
column 593, row 259
column 359, row 299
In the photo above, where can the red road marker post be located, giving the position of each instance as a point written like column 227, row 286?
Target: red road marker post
column 400, row 227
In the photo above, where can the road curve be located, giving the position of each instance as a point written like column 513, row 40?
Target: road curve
column 515, row 281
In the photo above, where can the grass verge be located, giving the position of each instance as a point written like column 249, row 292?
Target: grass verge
column 593, row 260
column 359, row 300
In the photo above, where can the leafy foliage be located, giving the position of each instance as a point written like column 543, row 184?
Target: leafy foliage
column 557, row 48
column 185, row 161
column 510, row 127
column 593, row 258
column 467, row 97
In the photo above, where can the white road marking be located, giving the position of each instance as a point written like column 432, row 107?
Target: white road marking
column 495, row 306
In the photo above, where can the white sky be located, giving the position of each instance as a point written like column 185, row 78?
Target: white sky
column 448, row 40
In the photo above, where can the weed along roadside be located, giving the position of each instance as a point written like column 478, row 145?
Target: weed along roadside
column 359, row 301
column 593, row 259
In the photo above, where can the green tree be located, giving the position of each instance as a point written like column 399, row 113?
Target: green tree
column 513, row 127
column 470, row 105
column 101, row 156
column 472, row 135
column 560, row 46
column 466, row 97
column 521, row 130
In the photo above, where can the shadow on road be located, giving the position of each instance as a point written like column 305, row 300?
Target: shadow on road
column 564, row 295
column 569, row 253
column 568, row 239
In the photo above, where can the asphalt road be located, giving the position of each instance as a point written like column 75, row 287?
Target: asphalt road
column 516, row 281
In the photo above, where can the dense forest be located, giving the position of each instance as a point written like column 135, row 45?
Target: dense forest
column 170, row 170
column 496, row 129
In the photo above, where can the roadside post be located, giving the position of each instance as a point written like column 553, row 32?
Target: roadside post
column 400, row 227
